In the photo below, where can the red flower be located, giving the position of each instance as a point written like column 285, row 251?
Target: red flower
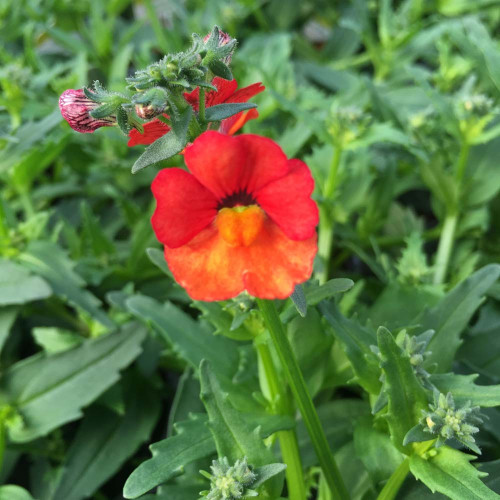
column 75, row 108
column 226, row 93
column 242, row 219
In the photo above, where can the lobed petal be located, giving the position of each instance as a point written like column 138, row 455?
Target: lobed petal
column 227, row 165
column 288, row 202
column 210, row 269
column 184, row 207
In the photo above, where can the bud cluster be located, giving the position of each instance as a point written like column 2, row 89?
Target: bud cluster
column 446, row 422
column 347, row 123
column 229, row 482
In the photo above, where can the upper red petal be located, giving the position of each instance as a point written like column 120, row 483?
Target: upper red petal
column 227, row 165
column 288, row 202
column 232, row 124
column 225, row 89
column 246, row 93
column 152, row 130
column 184, row 207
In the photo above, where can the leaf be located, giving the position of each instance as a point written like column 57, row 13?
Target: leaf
column 18, row 286
column 187, row 336
column 356, row 341
column 51, row 262
column 193, row 441
column 453, row 313
column 54, row 340
column 157, row 257
column 222, row 111
column 218, row 68
column 375, row 450
column 406, row 396
column 167, row 145
column 49, row 391
column 266, row 472
column 299, row 299
column 106, row 440
column 8, row 316
column 464, row 389
column 234, row 435
column 450, row 472
column 13, row 492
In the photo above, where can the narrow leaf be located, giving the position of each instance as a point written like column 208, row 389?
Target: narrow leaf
column 299, row 299
column 221, row 111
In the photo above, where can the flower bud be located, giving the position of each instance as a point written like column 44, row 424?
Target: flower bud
column 224, row 39
column 75, row 108
column 147, row 112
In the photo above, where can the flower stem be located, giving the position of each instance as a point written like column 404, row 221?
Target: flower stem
column 302, row 397
column 326, row 223
column 462, row 160
column 288, row 439
column 391, row 488
column 444, row 248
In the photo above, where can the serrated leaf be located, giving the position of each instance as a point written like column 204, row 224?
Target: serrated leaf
column 356, row 341
column 464, row 389
column 105, row 440
column 51, row 262
column 406, row 396
column 234, row 436
column 18, row 285
column 222, row 111
column 450, row 472
column 193, row 441
column 453, row 313
column 168, row 145
column 49, row 391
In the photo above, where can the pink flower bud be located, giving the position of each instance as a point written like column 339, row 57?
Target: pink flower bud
column 224, row 39
column 75, row 108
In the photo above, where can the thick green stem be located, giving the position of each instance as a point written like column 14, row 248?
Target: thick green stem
column 303, row 399
column 445, row 247
column 288, row 439
column 462, row 160
column 326, row 223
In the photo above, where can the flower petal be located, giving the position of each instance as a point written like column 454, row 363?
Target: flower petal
column 152, row 130
column 288, row 202
column 246, row 93
column 232, row 124
column 225, row 89
column 210, row 269
column 227, row 165
column 184, row 207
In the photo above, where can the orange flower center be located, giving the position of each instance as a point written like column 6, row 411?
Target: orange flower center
column 240, row 225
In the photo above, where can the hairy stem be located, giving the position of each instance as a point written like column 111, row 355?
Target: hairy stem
column 303, row 399
column 288, row 439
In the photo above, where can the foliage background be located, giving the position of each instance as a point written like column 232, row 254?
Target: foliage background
column 79, row 258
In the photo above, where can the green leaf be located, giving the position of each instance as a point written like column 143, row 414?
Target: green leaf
column 49, row 391
column 192, row 442
column 406, row 396
column 8, row 316
column 157, row 257
column 266, row 472
column 453, row 313
column 375, row 450
column 234, row 435
column 356, row 341
column 51, row 262
column 13, row 492
column 168, row 145
column 464, row 389
column 450, row 472
column 299, row 299
column 18, row 286
column 218, row 68
column 221, row 111
column 54, row 340
column 106, row 440
column 187, row 336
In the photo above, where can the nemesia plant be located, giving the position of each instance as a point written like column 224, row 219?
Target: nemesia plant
column 238, row 222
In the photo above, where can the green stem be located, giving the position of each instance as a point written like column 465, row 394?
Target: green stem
column 445, row 247
column 391, row 488
column 462, row 160
column 201, row 108
column 26, row 203
column 326, row 223
column 288, row 439
column 303, row 399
